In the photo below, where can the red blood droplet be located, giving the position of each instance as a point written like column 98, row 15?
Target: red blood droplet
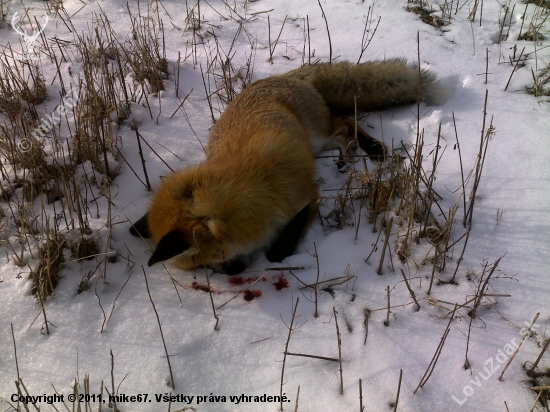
column 239, row 281
column 198, row 286
column 281, row 283
column 236, row 280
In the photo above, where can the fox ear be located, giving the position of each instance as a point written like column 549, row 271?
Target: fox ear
column 141, row 227
column 171, row 244
column 216, row 227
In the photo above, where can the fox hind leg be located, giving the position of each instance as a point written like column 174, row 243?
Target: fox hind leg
column 372, row 147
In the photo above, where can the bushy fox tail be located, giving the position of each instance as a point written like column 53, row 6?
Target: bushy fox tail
column 371, row 85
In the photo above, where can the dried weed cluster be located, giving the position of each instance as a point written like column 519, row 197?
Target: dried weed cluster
column 56, row 163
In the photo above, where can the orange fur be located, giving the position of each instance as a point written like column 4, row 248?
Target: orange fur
column 259, row 171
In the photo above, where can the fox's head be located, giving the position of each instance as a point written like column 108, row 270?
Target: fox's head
column 185, row 222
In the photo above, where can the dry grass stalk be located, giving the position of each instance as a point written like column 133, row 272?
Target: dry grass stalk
column 160, row 328
column 388, row 232
column 433, row 362
column 519, row 346
column 312, row 356
column 16, row 361
column 297, row 397
column 410, row 290
column 535, row 364
column 368, row 32
column 387, row 321
column 316, row 314
column 65, row 158
column 290, row 330
column 394, row 404
column 339, row 350
column 429, row 17
column 328, row 31
column 47, row 274
column 366, row 313
column 361, row 407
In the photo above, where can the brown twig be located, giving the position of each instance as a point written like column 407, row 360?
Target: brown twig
column 16, row 362
column 112, row 401
column 481, row 293
column 433, row 362
column 328, row 32
column 160, row 328
column 436, row 254
column 383, row 254
column 286, row 268
column 138, row 137
column 519, row 346
column 536, row 362
column 387, row 321
column 339, row 350
column 361, row 407
column 311, row 356
column 453, row 281
column 316, row 314
column 514, row 69
column 410, row 290
column 286, row 349
column 398, row 390
column 366, row 323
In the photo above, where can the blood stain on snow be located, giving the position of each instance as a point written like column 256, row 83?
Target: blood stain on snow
column 198, row 286
column 239, row 280
column 281, row 283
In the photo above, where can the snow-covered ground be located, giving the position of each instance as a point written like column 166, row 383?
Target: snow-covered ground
column 244, row 356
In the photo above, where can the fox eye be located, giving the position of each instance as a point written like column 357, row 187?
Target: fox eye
column 187, row 193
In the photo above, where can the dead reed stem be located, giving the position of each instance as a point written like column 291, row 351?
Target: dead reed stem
column 387, row 322
column 366, row 324
column 297, row 397
column 160, row 328
column 286, row 350
column 316, row 314
column 433, row 362
column 305, row 355
column 328, row 32
column 398, row 390
column 16, row 361
column 410, row 290
column 112, row 402
column 361, row 407
column 339, row 350
column 532, row 370
column 383, row 254
column 519, row 346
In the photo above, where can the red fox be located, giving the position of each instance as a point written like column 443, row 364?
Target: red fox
column 257, row 187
